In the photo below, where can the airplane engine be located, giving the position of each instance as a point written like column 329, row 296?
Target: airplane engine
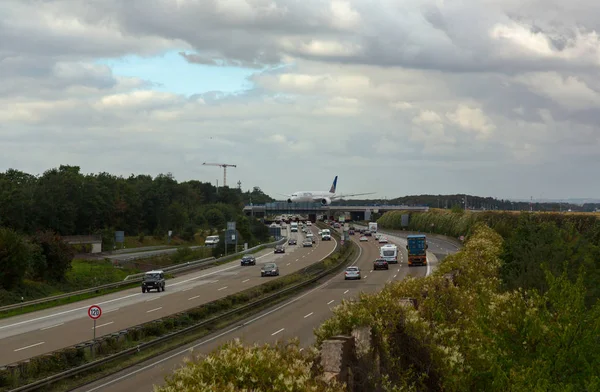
column 289, row 200
column 325, row 201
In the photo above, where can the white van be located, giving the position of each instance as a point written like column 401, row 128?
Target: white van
column 211, row 240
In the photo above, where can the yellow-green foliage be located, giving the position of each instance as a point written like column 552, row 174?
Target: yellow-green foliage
column 235, row 367
column 474, row 336
column 456, row 224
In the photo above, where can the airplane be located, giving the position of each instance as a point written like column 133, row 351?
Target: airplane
column 325, row 198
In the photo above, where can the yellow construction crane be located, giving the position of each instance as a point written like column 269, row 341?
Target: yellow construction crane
column 224, row 166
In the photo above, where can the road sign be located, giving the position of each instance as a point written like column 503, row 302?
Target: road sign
column 94, row 312
column 119, row 237
column 462, row 237
column 231, row 226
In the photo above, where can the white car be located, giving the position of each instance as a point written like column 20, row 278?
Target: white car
column 363, row 238
column 383, row 240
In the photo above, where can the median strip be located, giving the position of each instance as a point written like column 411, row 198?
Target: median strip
column 155, row 337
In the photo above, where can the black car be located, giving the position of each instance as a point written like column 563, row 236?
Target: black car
column 368, row 233
column 292, row 242
column 380, row 264
column 279, row 249
column 153, row 280
column 269, row 269
column 248, row 260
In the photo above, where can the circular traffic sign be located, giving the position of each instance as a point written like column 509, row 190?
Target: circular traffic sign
column 94, row 312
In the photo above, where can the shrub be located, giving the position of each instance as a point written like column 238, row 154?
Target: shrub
column 474, row 336
column 234, row 367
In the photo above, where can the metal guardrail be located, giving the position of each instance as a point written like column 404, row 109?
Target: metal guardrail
column 91, row 365
column 138, row 277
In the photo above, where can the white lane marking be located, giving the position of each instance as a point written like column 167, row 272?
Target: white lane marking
column 154, row 310
column 103, row 325
column 214, row 272
column 308, row 315
column 395, row 276
column 428, row 268
column 366, row 276
column 194, row 297
column 346, row 291
column 153, row 299
column 187, row 350
column 191, row 348
column 244, row 281
column 52, row 326
column 371, row 271
column 288, row 263
column 189, row 288
column 300, row 350
column 330, row 302
column 276, row 332
column 112, row 310
column 26, row 347
column 297, row 259
column 398, row 270
column 67, row 311
column 222, row 288
column 214, row 281
column 304, row 256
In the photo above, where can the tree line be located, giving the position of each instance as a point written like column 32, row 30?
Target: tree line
column 477, row 203
column 534, row 243
column 70, row 203
column 35, row 211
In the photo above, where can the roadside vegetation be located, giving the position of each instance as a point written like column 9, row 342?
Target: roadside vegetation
column 520, row 314
column 36, row 212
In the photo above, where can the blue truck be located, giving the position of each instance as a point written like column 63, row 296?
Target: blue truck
column 417, row 247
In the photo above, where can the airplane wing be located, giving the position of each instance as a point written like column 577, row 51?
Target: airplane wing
column 282, row 194
column 352, row 195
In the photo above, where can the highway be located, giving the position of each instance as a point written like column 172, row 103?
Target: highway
column 296, row 317
column 36, row 333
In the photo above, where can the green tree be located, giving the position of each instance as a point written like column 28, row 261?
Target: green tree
column 58, row 254
column 15, row 255
column 215, row 218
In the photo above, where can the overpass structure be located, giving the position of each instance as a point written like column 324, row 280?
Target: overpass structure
column 94, row 240
column 315, row 209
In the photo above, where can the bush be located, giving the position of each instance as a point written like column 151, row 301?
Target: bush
column 234, row 367
column 475, row 336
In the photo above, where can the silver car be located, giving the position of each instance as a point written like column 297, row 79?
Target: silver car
column 352, row 273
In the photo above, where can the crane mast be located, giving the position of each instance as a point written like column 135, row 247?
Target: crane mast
column 224, row 166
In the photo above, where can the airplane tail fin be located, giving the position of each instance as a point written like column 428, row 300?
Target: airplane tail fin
column 334, row 185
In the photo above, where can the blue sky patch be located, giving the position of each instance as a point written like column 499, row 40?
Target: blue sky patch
column 170, row 72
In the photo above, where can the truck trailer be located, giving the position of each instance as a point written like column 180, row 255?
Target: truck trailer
column 417, row 249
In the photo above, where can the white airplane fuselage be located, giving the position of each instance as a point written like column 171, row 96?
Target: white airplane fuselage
column 311, row 196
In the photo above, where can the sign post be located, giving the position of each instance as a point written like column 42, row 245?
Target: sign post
column 94, row 312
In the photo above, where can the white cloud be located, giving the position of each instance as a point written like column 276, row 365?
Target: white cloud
column 472, row 119
column 458, row 93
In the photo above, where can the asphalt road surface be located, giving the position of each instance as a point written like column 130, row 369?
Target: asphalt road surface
column 36, row 333
column 294, row 318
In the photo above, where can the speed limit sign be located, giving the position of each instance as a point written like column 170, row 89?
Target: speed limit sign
column 94, row 312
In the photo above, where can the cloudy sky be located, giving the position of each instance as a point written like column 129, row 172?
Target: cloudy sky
column 488, row 97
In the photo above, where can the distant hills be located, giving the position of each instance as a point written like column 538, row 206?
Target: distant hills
column 482, row 203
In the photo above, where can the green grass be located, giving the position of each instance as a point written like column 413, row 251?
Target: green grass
column 149, row 240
